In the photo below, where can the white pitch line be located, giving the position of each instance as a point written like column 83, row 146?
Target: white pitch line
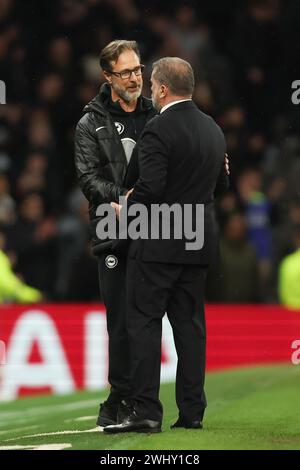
column 38, row 447
column 14, row 447
column 52, row 447
column 58, row 433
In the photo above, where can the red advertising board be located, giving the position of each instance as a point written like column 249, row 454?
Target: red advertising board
column 60, row 348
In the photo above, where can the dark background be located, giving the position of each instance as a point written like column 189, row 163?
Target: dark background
column 245, row 56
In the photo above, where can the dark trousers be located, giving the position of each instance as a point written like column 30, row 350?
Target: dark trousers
column 154, row 289
column 113, row 290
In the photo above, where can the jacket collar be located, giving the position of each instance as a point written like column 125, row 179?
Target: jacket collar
column 187, row 104
column 167, row 106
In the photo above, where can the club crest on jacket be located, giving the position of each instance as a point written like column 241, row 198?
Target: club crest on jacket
column 120, row 127
column 111, row 261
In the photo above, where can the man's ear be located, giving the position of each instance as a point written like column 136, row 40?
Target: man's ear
column 163, row 91
column 107, row 76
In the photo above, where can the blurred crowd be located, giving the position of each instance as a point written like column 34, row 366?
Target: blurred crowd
column 245, row 57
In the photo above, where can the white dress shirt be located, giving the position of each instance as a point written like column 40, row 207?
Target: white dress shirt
column 171, row 104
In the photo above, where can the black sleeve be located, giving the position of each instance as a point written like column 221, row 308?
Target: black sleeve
column 223, row 179
column 222, row 183
column 132, row 172
column 153, row 168
column 90, row 174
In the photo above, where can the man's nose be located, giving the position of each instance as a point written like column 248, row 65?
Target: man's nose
column 134, row 78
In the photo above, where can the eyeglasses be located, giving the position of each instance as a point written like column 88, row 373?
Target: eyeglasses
column 125, row 74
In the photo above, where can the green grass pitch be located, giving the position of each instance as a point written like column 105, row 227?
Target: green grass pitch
column 249, row 408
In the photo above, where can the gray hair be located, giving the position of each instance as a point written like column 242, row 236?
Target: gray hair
column 177, row 74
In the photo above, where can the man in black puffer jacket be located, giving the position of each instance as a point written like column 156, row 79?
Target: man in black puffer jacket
column 104, row 141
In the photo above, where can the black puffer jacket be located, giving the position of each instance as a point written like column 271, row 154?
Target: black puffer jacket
column 100, row 159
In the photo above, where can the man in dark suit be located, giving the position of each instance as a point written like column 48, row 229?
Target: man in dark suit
column 181, row 162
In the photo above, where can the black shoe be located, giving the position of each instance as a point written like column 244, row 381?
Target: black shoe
column 108, row 414
column 133, row 423
column 180, row 423
column 125, row 408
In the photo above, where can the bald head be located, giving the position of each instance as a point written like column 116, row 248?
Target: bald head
column 176, row 74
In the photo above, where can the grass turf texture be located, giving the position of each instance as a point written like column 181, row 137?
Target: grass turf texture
column 251, row 408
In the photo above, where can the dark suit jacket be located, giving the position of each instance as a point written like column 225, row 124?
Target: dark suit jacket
column 181, row 161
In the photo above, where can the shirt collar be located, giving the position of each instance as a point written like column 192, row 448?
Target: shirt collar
column 171, row 104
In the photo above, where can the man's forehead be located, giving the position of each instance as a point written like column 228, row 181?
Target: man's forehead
column 126, row 60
